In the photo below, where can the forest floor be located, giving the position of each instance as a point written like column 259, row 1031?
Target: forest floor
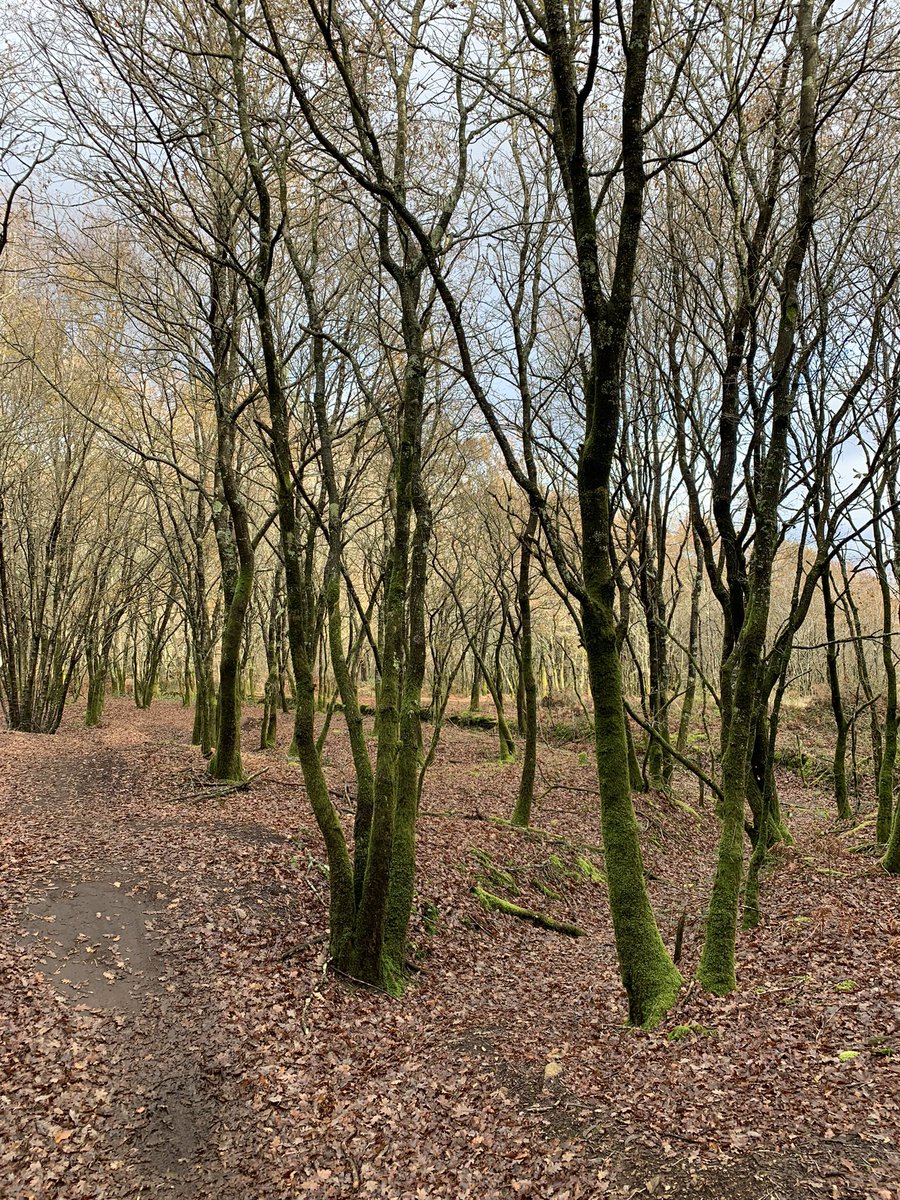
column 169, row 1028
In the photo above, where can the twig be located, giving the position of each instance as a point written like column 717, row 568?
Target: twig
column 569, row 787
column 449, row 815
column 309, row 1000
column 375, row 987
column 676, row 754
column 293, row 951
column 240, row 785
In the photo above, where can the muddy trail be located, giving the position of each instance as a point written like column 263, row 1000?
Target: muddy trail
column 128, row 986
column 170, row 1029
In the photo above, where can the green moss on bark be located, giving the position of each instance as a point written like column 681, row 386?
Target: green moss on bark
column 891, row 860
column 651, row 979
column 543, row 920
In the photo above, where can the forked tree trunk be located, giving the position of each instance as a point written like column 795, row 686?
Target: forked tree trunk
column 841, row 724
column 742, row 672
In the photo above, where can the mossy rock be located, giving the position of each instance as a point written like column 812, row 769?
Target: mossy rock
column 370, row 710
column 470, row 720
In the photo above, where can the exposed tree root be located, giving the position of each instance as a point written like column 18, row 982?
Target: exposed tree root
column 497, row 904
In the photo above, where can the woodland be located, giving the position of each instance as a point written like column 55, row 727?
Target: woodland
column 449, row 599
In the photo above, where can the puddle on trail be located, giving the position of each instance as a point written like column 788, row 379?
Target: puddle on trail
column 93, row 944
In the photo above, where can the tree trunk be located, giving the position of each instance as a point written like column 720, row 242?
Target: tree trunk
column 522, row 812
column 842, row 725
column 885, row 811
column 693, row 650
column 475, row 694
column 96, row 695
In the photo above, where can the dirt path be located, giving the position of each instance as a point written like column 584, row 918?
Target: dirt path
column 103, row 930
column 167, row 1028
column 96, row 949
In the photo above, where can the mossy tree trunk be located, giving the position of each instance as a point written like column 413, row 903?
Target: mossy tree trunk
column 851, row 612
column 300, row 625
column 507, row 741
column 891, row 859
column 98, row 653
column 97, row 672
column 475, row 692
column 391, row 850
column 96, row 696
column 411, row 758
column 344, row 676
column 742, row 672
column 237, row 556
column 841, row 723
column 97, row 657
column 525, row 796
column 230, row 520
column 146, row 665
column 650, row 978
column 359, row 914
column 693, row 652
column 204, row 728
column 271, row 642
column 885, row 782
